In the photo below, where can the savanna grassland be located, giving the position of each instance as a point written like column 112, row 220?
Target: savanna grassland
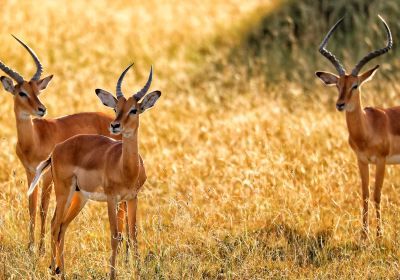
column 250, row 175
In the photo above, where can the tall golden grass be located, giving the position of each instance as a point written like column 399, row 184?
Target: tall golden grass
column 247, row 178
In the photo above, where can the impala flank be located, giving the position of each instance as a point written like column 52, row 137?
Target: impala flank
column 374, row 133
column 37, row 137
column 99, row 168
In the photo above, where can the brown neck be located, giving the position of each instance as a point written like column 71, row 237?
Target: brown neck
column 130, row 155
column 25, row 131
column 356, row 120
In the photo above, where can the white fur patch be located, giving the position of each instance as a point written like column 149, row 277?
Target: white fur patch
column 395, row 159
column 24, row 116
column 38, row 175
column 349, row 107
column 129, row 196
column 96, row 196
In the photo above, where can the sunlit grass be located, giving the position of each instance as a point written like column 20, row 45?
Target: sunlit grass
column 246, row 179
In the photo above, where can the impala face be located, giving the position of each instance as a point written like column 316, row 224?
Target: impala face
column 348, row 87
column 127, row 110
column 126, row 116
column 26, row 100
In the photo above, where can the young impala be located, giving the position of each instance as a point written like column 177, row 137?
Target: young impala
column 37, row 137
column 99, row 168
column 374, row 133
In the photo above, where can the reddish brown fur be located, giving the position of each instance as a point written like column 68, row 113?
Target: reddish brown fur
column 374, row 135
column 99, row 167
column 37, row 138
column 105, row 159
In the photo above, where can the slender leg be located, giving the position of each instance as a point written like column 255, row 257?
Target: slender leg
column 132, row 209
column 112, row 216
column 379, row 177
column 32, row 212
column 127, row 235
column 364, row 173
column 46, row 192
column 77, row 204
column 55, row 231
column 122, row 212
column 63, row 196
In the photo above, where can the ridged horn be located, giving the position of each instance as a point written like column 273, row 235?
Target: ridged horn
column 39, row 67
column 119, row 83
column 328, row 54
column 375, row 53
column 146, row 87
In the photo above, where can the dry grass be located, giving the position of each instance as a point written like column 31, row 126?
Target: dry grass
column 246, row 180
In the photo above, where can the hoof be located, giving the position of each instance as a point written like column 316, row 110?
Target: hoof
column 57, row 271
column 31, row 248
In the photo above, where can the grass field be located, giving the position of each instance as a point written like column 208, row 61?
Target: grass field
column 250, row 175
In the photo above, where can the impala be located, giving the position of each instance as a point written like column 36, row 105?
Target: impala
column 37, row 137
column 374, row 133
column 99, row 168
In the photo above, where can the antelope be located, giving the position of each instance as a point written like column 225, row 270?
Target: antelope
column 37, row 137
column 99, row 168
column 374, row 133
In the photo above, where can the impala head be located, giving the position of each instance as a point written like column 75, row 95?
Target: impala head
column 349, row 85
column 26, row 101
column 127, row 110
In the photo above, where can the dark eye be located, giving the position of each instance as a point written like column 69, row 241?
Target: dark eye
column 133, row 111
column 22, row 94
column 354, row 87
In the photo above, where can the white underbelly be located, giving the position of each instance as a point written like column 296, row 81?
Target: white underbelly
column 100, row 196
column 128, row 196
column 394, row 159
column 97, row 196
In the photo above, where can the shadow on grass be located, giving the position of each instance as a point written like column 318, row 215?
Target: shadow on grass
column 279, row 242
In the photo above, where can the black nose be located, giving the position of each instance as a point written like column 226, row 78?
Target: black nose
column 115, row 125
column 340, row 106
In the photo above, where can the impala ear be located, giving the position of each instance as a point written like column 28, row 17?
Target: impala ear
column 43, row 83
column 107, row 98
column 329, row 79
column 368, row 75
column 7, row 84
column 149, row 100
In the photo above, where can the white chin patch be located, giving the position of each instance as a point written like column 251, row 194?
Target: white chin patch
column 24, row 116
column 349, row 108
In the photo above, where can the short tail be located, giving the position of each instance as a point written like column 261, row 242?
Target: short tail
column 42, row 167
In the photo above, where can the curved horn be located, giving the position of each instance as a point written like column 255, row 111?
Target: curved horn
column 328, row 54
column 39, row 67
column 146, row 87
column 121, row 78
column 375, row 53
column 13, row 74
